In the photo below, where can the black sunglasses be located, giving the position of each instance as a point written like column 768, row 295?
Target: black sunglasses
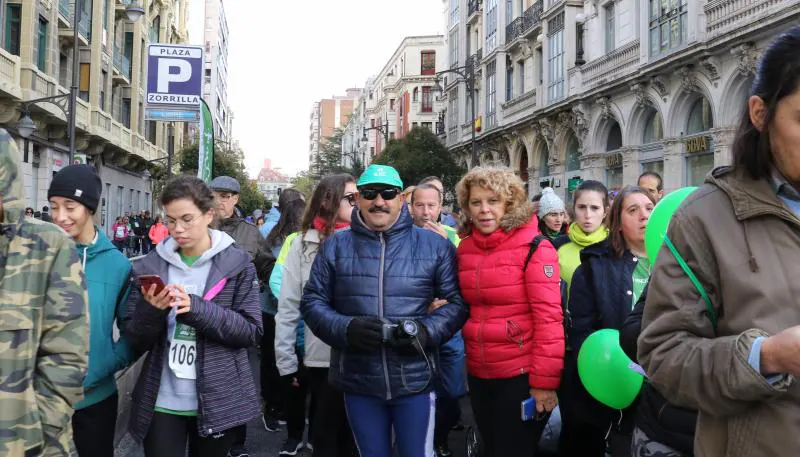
column 386, row 194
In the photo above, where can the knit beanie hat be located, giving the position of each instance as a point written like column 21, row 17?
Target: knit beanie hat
column 79, row 183
column 550, row 202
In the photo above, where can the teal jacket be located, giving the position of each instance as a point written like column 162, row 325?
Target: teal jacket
column 107, row 278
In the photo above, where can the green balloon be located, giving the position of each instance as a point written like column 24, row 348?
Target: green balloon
column 659, row 221
column 604, row 370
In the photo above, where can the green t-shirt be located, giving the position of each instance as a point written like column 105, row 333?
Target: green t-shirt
column 641, row 275
column 189, row 260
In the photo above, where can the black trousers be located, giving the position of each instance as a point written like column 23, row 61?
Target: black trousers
column 580, row 438
column 169, row 434
column 295, row 407
column 496, row 404
column 332, row 435
column 271, row 386
column 93, row 428
column 448, row 413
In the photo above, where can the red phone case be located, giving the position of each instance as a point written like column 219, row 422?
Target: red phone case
column 148, row 280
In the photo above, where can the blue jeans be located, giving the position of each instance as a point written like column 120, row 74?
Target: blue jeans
column 373, row 419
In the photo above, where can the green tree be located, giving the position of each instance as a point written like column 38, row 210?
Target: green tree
column 304, row 183
column 420, row 154
column 329, row 158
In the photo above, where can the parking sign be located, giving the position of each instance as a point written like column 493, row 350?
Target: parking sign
column 174, row 82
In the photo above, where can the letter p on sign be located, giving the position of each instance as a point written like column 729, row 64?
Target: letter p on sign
column 167, row 75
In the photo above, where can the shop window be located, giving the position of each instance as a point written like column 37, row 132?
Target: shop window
column 653, row 128
column 573, row 155
column 700, row 117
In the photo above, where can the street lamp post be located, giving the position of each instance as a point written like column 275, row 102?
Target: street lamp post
column 384, row 128
column 467, row 73
column 68, row 102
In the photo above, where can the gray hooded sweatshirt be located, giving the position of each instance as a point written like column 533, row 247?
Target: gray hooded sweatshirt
column 179, row 393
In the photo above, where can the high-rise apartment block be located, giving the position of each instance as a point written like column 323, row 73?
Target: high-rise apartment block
column 326, row 116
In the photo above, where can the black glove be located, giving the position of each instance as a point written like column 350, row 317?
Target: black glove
column 408, row 345
column 365, row 333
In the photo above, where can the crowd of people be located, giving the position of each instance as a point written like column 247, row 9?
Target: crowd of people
column 368, row 315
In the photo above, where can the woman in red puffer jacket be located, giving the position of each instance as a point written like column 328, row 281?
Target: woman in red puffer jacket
column 514, row 336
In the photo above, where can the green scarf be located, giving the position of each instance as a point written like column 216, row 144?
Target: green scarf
column 579, row 237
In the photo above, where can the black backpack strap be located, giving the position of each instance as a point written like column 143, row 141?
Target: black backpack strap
column 537, row 240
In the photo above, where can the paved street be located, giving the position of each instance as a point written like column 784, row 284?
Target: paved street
column 264, row 444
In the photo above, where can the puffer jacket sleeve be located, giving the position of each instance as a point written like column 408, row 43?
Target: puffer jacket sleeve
column 239, row 326
column 288, row 315
column 542, row 287
column 443, row 323
column 679, row 349
column 316, row 306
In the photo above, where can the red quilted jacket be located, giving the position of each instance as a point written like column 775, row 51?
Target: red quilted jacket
column 515, row 318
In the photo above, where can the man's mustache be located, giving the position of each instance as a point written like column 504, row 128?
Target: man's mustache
column 379, row 209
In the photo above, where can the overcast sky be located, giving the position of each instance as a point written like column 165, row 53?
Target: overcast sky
column 284, row 55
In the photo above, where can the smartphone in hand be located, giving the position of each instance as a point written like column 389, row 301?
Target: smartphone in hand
column 528, row 409
column 148, row 280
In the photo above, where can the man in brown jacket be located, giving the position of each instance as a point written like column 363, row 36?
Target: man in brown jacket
column 740, row 235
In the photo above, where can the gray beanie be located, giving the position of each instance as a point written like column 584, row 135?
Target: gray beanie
column 550, row 203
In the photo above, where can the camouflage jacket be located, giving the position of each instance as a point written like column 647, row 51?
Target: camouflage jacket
column 44, row 331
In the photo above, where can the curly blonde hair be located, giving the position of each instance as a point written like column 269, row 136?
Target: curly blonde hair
column 500, row 180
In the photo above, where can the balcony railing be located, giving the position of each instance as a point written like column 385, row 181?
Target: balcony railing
column 474, row 7
column 521, row 25
column 9, row 71
column 65, row 9
column 611, row 65
column 721, row 15
column 533, row 15
column 122, row 62
column 85, row 24
column 515, row 29
column 521, row 103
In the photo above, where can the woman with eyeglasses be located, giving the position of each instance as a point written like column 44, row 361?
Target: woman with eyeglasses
column 196, row 385
column 330, row 210
column 514, row 335
column 29, row 212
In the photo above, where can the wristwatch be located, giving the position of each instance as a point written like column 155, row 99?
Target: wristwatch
column 410, row 328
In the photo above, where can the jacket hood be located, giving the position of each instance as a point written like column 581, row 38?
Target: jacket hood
column 749, row 197
column 101, row 245
column 403, row 223
column 273, row 215
column 518, row 217
column 168, row 249
column 10, row 181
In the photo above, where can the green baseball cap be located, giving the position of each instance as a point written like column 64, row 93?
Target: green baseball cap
column 380, row 174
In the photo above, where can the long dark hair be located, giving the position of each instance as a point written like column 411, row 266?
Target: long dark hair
column 289, row 195
column 615, row 238
column 288, row 223
column 777, row 76
column 325, row 202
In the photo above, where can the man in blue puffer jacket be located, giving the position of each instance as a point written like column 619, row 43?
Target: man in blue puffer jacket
column 367, row 297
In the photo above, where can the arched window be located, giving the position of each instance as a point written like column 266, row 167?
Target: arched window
column 523, row 165
column 415, row 96
column 544, row 160
column 573, row 156
column 653, row 128
column 700, row 117
column 614, row 140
